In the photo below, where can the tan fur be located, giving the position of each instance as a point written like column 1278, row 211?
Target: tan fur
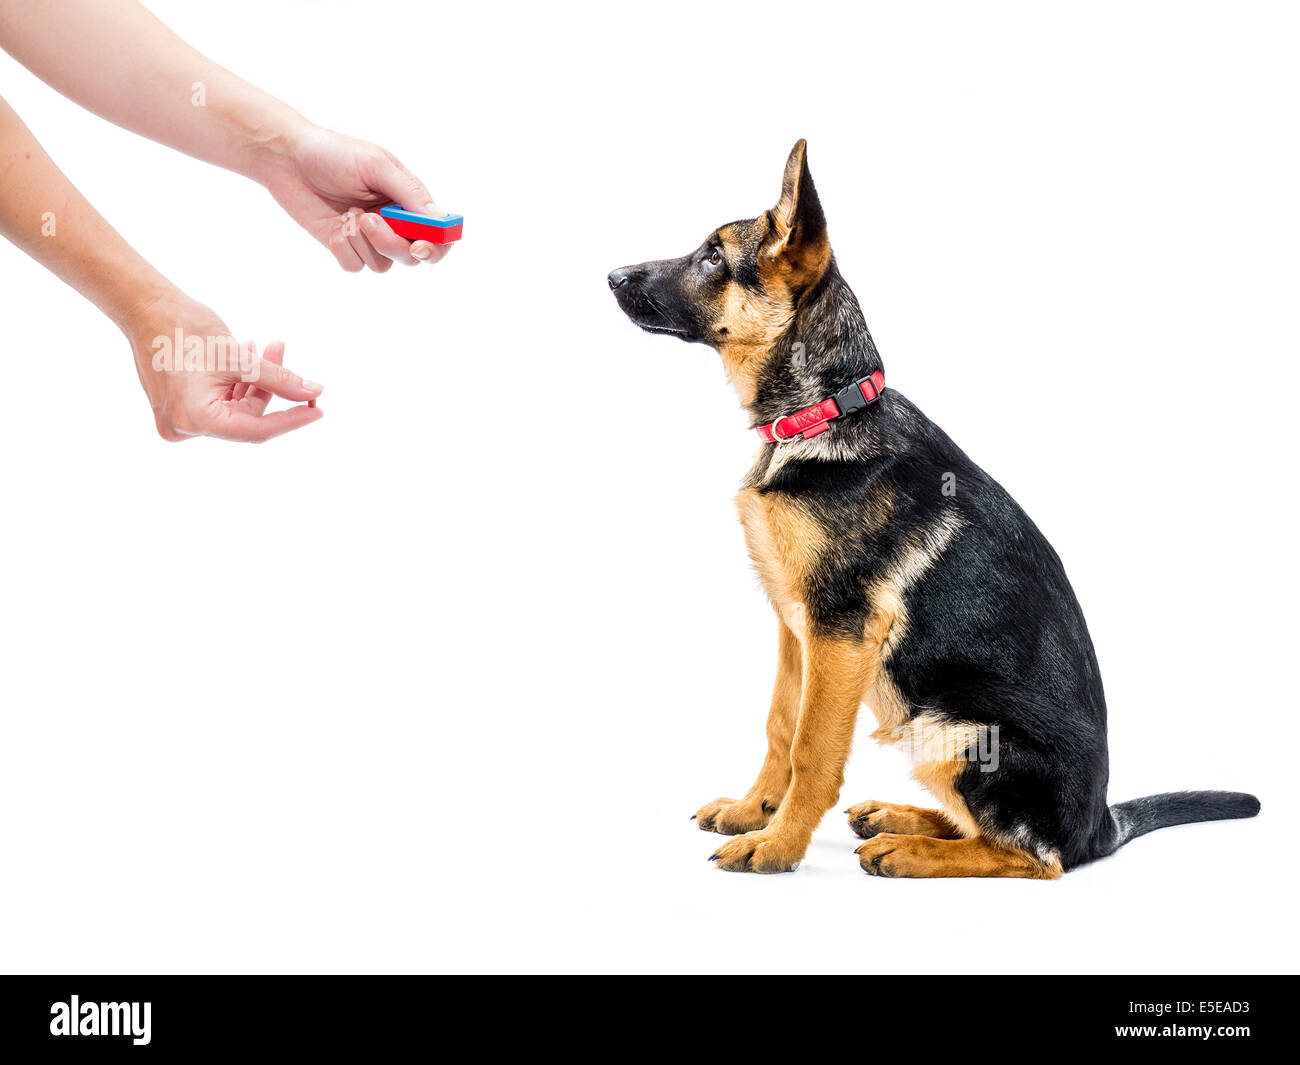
column 872, row 818
column 788, row 263
column 836, row 674
column 923, row 856
column 833, row 678
column 784, row 543
column 824, row 677
column 791, row 181
column 756, row 809
column 938, row 776
column 749, row 323
column 888, row 625
column 782, row 271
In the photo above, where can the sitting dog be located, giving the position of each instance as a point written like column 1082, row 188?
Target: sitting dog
column 902, row 576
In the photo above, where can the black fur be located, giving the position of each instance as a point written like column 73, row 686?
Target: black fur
column 1137, row 817
column 995, row 635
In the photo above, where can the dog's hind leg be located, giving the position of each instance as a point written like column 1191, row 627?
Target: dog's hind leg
column 941, row 761
column 896, row 855
column 871, row 818
column 757, row 808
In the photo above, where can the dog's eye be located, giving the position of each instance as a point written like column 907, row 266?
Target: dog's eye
column 714, row 259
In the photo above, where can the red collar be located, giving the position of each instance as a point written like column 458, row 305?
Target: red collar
column 816, row 419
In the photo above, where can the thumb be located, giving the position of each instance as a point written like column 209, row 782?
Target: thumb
column 401, row 186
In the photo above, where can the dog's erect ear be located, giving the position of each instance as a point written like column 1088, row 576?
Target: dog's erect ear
column 798, row 222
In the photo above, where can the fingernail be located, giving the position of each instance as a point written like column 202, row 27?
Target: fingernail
column 421, row 251
column 431, row 208
column 371, row 223
column 312, row 386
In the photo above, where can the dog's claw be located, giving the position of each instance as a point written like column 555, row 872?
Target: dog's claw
column 713, row 857
column 862, row 827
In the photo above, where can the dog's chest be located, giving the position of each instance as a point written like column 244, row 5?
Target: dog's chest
column 787, row 544
column 784, row 543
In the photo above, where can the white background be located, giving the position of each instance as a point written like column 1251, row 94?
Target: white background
column 435, row 684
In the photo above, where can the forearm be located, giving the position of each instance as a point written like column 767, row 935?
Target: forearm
column 115, row 58
column 42, row 212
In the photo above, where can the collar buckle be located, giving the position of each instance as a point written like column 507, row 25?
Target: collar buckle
column 814, row 420
column 854, row 397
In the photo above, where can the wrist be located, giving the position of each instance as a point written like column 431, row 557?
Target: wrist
column 267, row 148
column 143, row 302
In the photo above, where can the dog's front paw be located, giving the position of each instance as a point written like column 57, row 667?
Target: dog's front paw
column 759, row 852
column 734, row 816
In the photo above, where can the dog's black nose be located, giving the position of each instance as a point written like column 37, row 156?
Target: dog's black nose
column 618, row 278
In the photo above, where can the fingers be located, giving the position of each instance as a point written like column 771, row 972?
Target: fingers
column 369, row 241
column 229, row 401
column 366, row 241
column 271, row 377
column 255, row 399
column 401, row 186
column 245, row 418
column 342, row 249
column 427, row 252
column 385, row 242
column 367, row 254
column 354, row 227
column 244, row 389
column 232, row 424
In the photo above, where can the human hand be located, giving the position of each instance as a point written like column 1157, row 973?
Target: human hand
column 202, row 382
column 330, row 185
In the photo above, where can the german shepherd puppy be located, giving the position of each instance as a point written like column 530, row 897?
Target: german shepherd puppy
column 903, row 576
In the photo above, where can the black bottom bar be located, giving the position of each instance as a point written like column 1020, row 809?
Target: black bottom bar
column 384, row 1015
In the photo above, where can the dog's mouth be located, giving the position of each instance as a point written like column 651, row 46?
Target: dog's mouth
column 646, row 314
column 666, row 330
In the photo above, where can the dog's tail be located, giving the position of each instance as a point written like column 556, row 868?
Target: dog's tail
column 1137, row 817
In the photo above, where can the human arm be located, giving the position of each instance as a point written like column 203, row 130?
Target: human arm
column 42, row 213
column 144, row 78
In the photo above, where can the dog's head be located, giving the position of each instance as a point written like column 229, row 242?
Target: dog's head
column 739, row 289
